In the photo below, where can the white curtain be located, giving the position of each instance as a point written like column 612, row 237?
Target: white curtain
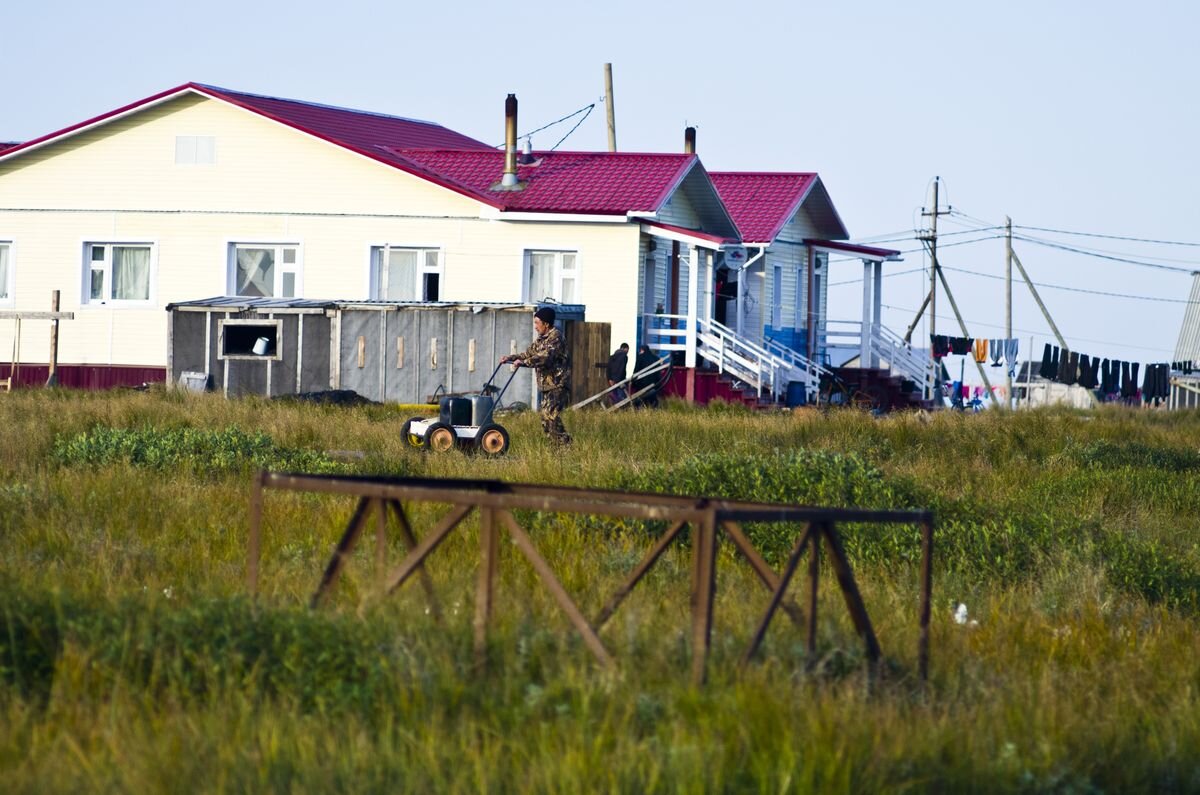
column 400, row 280
column 4, row 273
column 131, row 273
column 541, row 276
column 255, row 271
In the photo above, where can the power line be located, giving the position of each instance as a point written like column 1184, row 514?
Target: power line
column 1108, row 237
column 1086, row 253
column 1072, row 289
column 1140, row 257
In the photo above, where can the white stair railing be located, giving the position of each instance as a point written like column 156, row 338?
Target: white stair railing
column 903, row 360
column 886, row 345
column 765, row 366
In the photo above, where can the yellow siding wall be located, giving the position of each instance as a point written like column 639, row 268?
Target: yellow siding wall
column 269, row 184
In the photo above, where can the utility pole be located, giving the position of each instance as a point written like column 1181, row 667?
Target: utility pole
column 608, row 106
column 931, row 240
column 1008, row 366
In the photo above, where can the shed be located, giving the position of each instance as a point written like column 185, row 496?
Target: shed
column 395, row 352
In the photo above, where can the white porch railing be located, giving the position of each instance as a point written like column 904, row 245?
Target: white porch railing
column 765, row 366
column 884, row 346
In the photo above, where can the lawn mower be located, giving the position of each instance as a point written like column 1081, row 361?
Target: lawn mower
column 463, row 421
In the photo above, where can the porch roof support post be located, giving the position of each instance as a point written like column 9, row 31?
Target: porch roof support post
column 877, row 309
column 692, row 305
column 864, row 349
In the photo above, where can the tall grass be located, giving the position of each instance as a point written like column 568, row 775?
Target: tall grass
column 131, row 660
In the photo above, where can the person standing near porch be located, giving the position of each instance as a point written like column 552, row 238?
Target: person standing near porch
column 618, row 363
column 548, row 355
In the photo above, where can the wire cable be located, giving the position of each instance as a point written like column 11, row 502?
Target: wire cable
column 1108, row 237
column 1109, row 257
column 585, row 108
column 1072, row 289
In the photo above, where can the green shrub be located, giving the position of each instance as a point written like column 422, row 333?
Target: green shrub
column 311, row 659
column 1105, row 454
column 220, row 451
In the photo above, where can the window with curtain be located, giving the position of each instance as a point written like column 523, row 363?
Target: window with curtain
column 117, row 272
column 552, row 275
column 267, row 271
column 403, row 273
column 5, row 272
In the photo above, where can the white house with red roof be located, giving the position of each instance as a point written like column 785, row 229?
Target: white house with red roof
column 201, row 191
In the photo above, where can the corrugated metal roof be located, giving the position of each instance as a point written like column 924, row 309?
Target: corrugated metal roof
column 358, row 128
column 602, row 183
column 762, row 203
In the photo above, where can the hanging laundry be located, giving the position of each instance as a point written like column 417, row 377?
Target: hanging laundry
column 961, row 346
column 1072, row 368
column 996, row 349
column 941, row 345
column 1085, row 371
column 981, row 350
column 1010, row 356
column 1064, row 360
column 1048, row 367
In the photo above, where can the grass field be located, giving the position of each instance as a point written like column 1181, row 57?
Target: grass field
column 131, row 659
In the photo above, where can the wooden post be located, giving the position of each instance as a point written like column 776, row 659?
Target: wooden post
column 1008, row 366
column 703, row 589
column 926, row 596
column 814, row 570
column 485, row 589
column 52, row 378
column 609, row 107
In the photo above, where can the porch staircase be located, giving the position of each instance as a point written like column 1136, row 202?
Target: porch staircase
column 764, row 373
column 732, row 368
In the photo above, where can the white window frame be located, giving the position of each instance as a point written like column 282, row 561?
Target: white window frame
column 7, row 299
column 376, row 273
column 560, row 275
column 107, row 301
column 296, row 268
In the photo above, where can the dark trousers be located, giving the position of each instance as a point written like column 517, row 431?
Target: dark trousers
column 550, row 407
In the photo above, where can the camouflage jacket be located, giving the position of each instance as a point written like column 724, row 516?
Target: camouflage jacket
column 548, row 353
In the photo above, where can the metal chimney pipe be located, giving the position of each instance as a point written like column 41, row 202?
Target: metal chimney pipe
column 689, row 140
column 509, row 179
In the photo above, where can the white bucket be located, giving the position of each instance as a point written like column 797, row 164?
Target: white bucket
column 260, row 346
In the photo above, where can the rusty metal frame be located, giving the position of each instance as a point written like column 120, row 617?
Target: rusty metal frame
column 708, row 519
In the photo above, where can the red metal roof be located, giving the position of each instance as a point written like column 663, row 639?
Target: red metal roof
column 9, row 145
column 679, row 230
column 356, row 128
column 870, row 252
column 762, row 202
column 369, row 134
column 601, row 183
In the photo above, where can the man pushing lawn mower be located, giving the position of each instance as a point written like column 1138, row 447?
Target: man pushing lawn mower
column 548, row 355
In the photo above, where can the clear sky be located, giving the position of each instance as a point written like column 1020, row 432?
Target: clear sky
column 1071, row 115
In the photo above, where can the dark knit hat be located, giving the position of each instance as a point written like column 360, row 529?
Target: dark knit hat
column 546, row 315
